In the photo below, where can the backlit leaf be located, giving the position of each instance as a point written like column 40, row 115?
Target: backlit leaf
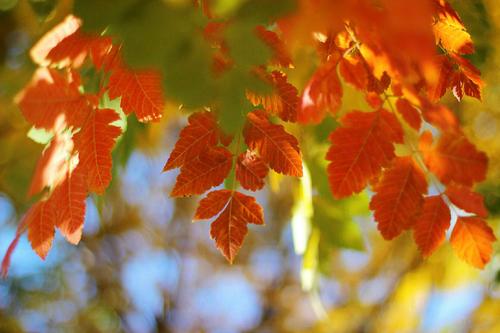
column 235, row 211
column 430, row 227
column 472, row 240
column 361, row 147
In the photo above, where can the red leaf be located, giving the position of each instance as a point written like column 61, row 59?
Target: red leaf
column 454, row 158
column 41, row 227
column 399, row 197
column 283, row 101
column 251, row 171
column 322, row 93
column 199, row 134
column 207, row 170
column 361, row 147
column 140, row 93
column 69, row 204
column 464, row 198
column 230, row 227
column 94, row 142
column 280, row 54
column 50, row 95
column 409, row 113
column 466, row 80
column 354, row 72
column 472, row 240
column 430, row 227
column 277, row 147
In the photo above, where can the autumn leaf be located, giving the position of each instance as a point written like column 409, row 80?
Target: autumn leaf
column 398, row 198
column 409, row 112
column 472, row 240
column 235, row 210
column 277, row 147
column 50, row 95
column 354, row 72
column 251, row 171
column 39, row 52
column 50, row 168
column 69, row 204
column 361, row 147
column 283, row 101
column 453, row 158
column 322, row 93
column 450, row 31
column 466, row 79
column 94, row 144
column 464, row 198
column 41, row 227
column 280, row 54
column 430, row 227
column 199, row 134
column 207, row 170
column 140, row 92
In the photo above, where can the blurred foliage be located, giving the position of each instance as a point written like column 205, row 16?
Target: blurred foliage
column 143, row 267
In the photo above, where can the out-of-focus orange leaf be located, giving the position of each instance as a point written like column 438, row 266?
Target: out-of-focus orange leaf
column 409, row 113
column 454, row 158
column 283, row 101
column 280, row 54
column 323, row 93
column 361, row 147
column 50, row 95
column 450, row 32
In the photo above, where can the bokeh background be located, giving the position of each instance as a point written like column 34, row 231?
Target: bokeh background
column 142, row 266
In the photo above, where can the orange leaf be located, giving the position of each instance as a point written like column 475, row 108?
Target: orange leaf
column 277, row 147
column 454, row 158
column 354, row 72
column 207, row 170
column 361, row 147
column 283, row 101
column 280, row 54
column 140, row 93
column 69, row 204
column 322, row 93
column 409, row 113
column 49, row 95
column 200, row 133
column 94, row 143
column 399, row 197
column 430, row 227
column 472, row 240
column 466, row 199
column 41, row 227
column 251, row 171
column 51, row 167
column 235, row 211
column 451, row 33
column 51, row 39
